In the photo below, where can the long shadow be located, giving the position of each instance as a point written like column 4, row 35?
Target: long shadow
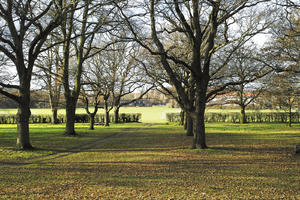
column 249, row 149
column 85, row 147
column 58, row 153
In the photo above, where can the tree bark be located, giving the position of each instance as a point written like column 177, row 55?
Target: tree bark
column 199, row 131
column 107, row 118
column 54, row 119
column 243, row 119
column 92, row 121
column 116, row 113
column 198, row 118
column 290, row 116
column 23, row 114
column 106, row 113
column 185, row 121
column 182, row 114
column 70, row 115
column 189, row 125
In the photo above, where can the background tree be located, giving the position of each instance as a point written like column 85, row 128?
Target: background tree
column 79, row 30
column 246, row 70
column 49, row 72
column 91, row 96
column 24, row 27
column 130, row 76
column 284, row 92
column 114, row 74
column 100, row 75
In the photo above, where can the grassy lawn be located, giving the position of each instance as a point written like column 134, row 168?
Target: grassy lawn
column 151, row 161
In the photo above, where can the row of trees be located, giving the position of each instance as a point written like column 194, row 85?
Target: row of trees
column 73, row 47
column 106, row 47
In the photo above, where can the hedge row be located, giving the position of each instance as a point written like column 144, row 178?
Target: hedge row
column 252, row 117
column 79, row 118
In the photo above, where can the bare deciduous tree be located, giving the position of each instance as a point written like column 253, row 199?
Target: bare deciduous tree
column 246, row 70
column 130, row 76
column 24, row 27
column 213, row 30
column 79, row 30
column 91, row 97
column 49, row 71
column 284, row 92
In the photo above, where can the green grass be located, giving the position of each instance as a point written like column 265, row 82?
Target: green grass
column 151, row 161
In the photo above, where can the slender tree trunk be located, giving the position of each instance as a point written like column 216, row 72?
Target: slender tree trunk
column 23, row 114
column 54, row 119
column 116, row 113
column 185, row 121
column 189, row 125
column 182, row 114
column 92, row 121
column 54, row 101
column 70, row 116
column 107, row 121
column 243, row 119
column 106, row 113
column 290, row 116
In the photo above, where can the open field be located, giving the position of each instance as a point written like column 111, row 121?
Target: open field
column 151, row 161
column 155, row 114
column 149, row 114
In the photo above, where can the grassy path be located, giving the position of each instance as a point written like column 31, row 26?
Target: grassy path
column 153, row 161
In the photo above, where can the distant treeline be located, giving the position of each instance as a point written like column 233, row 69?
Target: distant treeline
column 79, row 118
column 234, row 117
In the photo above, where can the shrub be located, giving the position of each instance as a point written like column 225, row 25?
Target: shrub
column 234, row 117
column 173, row 117
column 79, row 118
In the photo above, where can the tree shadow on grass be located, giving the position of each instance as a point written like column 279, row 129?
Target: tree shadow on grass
column 261, row 149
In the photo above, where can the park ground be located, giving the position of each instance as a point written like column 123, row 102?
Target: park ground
column 151, row 161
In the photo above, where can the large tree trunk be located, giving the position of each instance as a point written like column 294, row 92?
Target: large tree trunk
column 70, row 115
column 199, row 131
column 243, row 119
column 23, row 114
column 198, row 118
column 116, row 114
column 189, row 125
